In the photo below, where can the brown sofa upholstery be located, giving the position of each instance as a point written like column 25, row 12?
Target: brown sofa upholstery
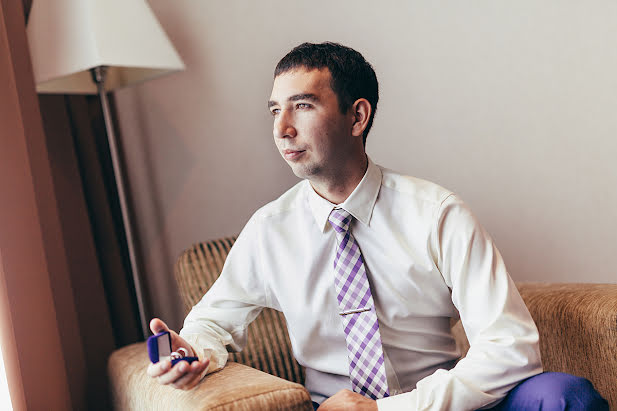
column 577, row 324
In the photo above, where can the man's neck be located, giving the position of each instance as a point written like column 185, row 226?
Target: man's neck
column 337, row 189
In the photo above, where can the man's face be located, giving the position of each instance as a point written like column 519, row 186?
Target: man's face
column 311, row 133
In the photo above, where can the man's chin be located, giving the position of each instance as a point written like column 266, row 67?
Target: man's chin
column 299, row 170
column 299, row 173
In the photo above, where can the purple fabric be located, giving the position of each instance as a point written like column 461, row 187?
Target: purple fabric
column 553, row 391
column 367, row 371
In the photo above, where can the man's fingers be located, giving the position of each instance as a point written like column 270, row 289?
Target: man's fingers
column 159, row 368
column 157, row 326
column 348, row 400
column 191, row 379
column 188, row 380
column 177, row 371
column 182, row 373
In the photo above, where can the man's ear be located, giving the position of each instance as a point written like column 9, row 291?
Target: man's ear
column 361, row 110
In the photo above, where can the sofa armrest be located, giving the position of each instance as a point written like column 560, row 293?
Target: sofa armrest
column 578, row 330
column 235, row 387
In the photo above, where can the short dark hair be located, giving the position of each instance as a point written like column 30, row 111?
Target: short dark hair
column 352, row 76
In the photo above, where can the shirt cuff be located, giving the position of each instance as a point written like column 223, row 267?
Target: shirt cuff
column 205, row 346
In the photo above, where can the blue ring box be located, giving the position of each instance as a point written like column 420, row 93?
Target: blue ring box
column 159, row 348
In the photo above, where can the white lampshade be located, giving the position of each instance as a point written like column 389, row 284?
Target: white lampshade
column 69, row 37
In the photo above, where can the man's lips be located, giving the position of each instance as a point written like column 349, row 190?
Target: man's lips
column 292, row 154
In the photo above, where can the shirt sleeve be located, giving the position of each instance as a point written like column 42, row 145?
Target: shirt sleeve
column 503, row 338
column 220, row 319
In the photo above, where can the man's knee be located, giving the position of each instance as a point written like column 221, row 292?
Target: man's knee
column 554, row 391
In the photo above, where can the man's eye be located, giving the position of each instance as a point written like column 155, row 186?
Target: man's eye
column 275, row 111
column 303, row 105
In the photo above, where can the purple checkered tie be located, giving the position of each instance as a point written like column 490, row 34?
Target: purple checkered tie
column 366, row 363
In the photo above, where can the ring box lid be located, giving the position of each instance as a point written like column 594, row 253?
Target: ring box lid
column 159, row 346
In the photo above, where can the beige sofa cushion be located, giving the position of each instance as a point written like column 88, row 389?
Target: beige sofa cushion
column 236, row 387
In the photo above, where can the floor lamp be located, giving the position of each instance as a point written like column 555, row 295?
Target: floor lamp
column 93, row 47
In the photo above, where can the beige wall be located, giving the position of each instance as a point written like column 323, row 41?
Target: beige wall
column 510, row 104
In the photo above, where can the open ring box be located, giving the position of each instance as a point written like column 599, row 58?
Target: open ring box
column 159, row 348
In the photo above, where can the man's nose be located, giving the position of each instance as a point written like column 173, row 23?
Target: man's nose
column 284, row 125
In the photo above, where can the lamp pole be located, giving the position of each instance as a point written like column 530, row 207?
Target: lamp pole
column 99, row 75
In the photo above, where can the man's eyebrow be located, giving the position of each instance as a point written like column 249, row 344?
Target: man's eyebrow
column 304, row 96
column 296, row 97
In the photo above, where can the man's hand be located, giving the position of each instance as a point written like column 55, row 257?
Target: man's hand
column 183, row 375
column 348, row 400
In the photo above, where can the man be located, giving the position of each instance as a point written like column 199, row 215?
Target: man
column 368, row 267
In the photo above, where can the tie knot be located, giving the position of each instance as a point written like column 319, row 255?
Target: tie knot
column 340, row 219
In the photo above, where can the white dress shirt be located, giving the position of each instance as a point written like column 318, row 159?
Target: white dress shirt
column 427, row 260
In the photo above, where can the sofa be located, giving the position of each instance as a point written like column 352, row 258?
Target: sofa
column 577, row 324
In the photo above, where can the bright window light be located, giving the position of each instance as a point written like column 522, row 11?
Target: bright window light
column 5, row 397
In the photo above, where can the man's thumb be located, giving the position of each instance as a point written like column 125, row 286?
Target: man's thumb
column 158, row 326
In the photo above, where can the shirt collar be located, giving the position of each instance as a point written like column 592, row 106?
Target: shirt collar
column 359, row 204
